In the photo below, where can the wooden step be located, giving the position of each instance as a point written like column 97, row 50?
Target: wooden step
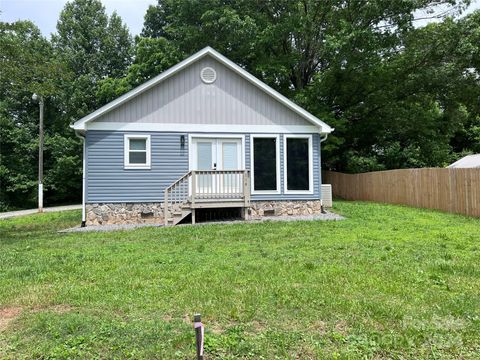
column 177, row 216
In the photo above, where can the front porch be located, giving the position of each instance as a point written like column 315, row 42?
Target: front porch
column 206, row 189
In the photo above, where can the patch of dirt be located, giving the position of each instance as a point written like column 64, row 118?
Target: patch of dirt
column 304, row 352
column 58, row 309
column 258, row 326
column 319, row 326
column 342, row 327
column 167, row 318
column 215, row 328
column 7, row 315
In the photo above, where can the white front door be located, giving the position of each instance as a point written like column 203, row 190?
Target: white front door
column 217, row 154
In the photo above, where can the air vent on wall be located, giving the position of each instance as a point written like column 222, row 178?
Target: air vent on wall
column 208, row 75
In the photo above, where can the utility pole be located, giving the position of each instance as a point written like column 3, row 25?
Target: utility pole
column 36, row 97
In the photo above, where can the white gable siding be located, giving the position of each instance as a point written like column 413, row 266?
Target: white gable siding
column 185, row 99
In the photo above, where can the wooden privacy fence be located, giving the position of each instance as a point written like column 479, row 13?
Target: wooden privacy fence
column 451, row 190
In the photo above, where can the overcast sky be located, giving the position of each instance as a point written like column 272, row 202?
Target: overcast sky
column 44, row 13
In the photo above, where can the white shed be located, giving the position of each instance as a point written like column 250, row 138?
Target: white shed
column 469, row 161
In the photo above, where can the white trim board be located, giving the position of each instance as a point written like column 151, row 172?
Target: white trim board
column 202, row 128
column 80, row 125
column 277, row 165
column 310, row 165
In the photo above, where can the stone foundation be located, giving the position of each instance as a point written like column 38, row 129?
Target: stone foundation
column 279, row 208
column 124, row 213
column 152, row 213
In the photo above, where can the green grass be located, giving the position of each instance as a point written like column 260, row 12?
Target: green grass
column 388, row 282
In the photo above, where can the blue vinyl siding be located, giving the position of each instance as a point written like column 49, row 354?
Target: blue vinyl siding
column 108, row 181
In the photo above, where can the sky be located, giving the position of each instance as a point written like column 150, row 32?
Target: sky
column 44, row 13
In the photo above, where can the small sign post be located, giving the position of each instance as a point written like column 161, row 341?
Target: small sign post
column 199, row 332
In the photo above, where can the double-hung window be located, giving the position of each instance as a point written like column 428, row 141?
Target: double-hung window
column 137, row 152
column 298, row 164
column 265, row 164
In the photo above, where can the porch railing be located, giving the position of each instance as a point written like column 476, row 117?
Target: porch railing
column 208, row 186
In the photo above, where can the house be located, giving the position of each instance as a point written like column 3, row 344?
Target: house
column 469, row 161
column 204, row 134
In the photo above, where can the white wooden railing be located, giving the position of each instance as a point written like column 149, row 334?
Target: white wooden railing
column 208, row 185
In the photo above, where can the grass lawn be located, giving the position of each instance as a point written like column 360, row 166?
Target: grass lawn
column 388, row 282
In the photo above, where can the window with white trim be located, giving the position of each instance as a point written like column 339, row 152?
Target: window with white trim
column 298, row 164
column 137, row 152
column 265, row 164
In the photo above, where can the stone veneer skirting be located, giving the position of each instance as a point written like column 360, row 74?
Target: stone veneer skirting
column 152, row 213
column 285, row 207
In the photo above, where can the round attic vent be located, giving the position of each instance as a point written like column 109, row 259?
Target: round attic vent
column 208, row 75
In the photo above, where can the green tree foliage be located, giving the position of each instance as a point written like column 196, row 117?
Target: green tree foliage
column 93, row 46
column 28, row 65
column 152, row 56
column 392, row 91
column 66, row 71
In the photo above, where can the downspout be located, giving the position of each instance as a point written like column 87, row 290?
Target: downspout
column 84, row 218
column 322, row 139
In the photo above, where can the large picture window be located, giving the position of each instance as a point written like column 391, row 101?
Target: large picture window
column 137, row 151
column 298, row 158
column 265, row 164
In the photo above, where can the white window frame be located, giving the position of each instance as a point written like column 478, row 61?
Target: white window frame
column 310, row 164
column 277, row 165
column 127, row 164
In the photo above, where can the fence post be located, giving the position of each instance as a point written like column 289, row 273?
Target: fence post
column 197, row 324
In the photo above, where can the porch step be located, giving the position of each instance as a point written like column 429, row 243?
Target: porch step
column 177, row 216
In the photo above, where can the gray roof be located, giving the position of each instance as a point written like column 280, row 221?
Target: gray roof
column 469, row 161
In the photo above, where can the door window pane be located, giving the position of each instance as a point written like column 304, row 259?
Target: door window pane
column 230, row 156
column 298, row 172
column 204, row 156
column 265, row 163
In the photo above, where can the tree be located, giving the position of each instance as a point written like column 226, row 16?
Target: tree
column 28, row 65
column 118, row 50
column 190, row 25
column 94, row 47
column 152, row 57
column 89, row 47
column 360, row 66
